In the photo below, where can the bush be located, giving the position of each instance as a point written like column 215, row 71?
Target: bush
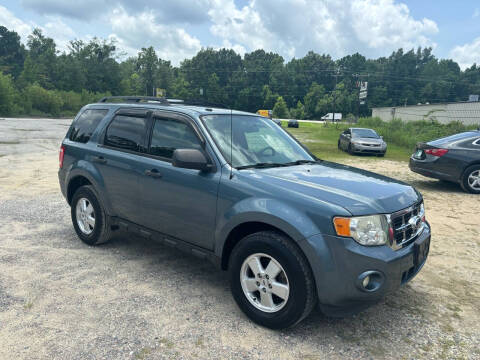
column 42, row 101
column 7, row 95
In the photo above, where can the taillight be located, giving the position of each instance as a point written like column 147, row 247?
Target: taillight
column 61, row 154
column 436, row 152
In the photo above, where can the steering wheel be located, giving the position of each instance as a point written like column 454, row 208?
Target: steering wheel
column 262, row 152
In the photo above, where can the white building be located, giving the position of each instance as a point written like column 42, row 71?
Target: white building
column 465, row 112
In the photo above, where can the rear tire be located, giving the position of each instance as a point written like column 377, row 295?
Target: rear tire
column 471, row 179
column 89, row 218
column 294, row 279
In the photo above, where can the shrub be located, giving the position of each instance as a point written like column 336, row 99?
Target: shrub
column 7, row 95
column 43, row 101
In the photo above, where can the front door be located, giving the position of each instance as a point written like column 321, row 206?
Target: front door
column 178, row 202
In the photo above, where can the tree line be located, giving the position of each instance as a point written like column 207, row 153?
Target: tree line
column 38, row 79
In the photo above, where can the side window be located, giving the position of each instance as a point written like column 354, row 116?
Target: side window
column 83, row 128
column 127, row 132
column 169, row 135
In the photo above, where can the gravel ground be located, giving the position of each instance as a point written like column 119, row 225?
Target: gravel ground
column 135, row 299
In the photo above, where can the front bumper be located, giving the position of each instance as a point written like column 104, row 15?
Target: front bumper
column 337, row 264
column 358, row 148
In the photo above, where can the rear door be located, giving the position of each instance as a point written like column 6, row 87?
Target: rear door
column 124, row 144
column 178, row 202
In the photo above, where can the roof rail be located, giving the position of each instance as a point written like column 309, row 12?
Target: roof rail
column 136, row 99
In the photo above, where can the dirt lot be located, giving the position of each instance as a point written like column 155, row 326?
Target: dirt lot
column 132, row 299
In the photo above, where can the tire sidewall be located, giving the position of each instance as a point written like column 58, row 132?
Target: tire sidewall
column 95, row 236
column 466, row 174
column 294, row 308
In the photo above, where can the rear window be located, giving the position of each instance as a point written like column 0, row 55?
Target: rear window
column 127, row 132
column 453, row 138
column 83, row 128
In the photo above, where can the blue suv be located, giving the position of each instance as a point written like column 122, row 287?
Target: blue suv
column 232, row 187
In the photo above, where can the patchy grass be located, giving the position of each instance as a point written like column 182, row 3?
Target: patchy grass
column 322, row 141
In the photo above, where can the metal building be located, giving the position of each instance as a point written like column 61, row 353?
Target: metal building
column 465, row 112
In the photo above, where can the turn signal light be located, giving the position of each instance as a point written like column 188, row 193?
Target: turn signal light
column 436, row 152
column 342, row 226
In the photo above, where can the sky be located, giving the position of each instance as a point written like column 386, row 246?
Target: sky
column 178, row 29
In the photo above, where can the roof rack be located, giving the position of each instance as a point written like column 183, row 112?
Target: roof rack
column 136, row 99
column 163, row 101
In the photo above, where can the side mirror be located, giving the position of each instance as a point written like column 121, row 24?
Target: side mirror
column 190, row 159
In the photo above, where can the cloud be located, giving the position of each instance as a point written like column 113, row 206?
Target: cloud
column 133, row 32
column 476, row 13
column 293, row 27
column 467, row 54
column 165, row 11
column 11, row 22
column 60, row 32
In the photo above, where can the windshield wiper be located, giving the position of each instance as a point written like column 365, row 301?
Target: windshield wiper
column 260, row 166
column 301, row 162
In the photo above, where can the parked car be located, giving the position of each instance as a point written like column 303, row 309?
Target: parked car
column 361, row 140
column 293, row 123
column 291, row 230
column 277, row 121
column 453, row 158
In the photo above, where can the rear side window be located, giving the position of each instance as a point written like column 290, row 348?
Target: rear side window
column 169, row 135
column 127, row 132
column 83, row 128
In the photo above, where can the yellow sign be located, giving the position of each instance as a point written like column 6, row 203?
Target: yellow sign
column 161, row 92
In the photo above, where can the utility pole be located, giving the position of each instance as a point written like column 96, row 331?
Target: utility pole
column 337, row 72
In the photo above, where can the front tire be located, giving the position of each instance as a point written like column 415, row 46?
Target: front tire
column 471, row 179
column 271, row 280
column 89, row 218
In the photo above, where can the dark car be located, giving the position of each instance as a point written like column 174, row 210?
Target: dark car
column 292, row 231
column 277, row 121
column 361, row 140
column 453, row 158
column 293, row 123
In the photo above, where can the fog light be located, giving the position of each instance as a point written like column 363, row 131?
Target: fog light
column 366, row 281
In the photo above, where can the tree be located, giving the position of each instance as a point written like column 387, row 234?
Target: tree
column 12, row 52
column 280, row 109
column 147, row 65
column 314, row 95
column 298, row 112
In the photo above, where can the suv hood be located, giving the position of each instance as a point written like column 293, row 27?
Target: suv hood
column 359, row 191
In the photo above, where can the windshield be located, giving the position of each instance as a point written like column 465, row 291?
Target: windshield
column 256, row 141
column 364, row 133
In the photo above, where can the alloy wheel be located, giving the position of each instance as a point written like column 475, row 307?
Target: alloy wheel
column 264, row 282
column 474, row 180
column 85, row 216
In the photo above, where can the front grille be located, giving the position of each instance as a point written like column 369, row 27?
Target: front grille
column 407, row 225
column 373, row 145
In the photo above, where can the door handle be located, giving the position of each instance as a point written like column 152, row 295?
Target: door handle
column 153, row 173
column 99, row 159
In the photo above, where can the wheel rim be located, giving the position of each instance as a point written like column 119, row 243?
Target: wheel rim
column 264, row 282
column 474, row 180
column 85, row 216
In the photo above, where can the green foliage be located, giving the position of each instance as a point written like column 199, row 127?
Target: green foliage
column 42, row 101
column 298, row 112
column 7, row 95
column 280, row 109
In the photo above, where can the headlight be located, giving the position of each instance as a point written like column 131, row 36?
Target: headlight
column 366, row 230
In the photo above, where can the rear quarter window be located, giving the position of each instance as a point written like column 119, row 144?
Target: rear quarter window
column 84, row 126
